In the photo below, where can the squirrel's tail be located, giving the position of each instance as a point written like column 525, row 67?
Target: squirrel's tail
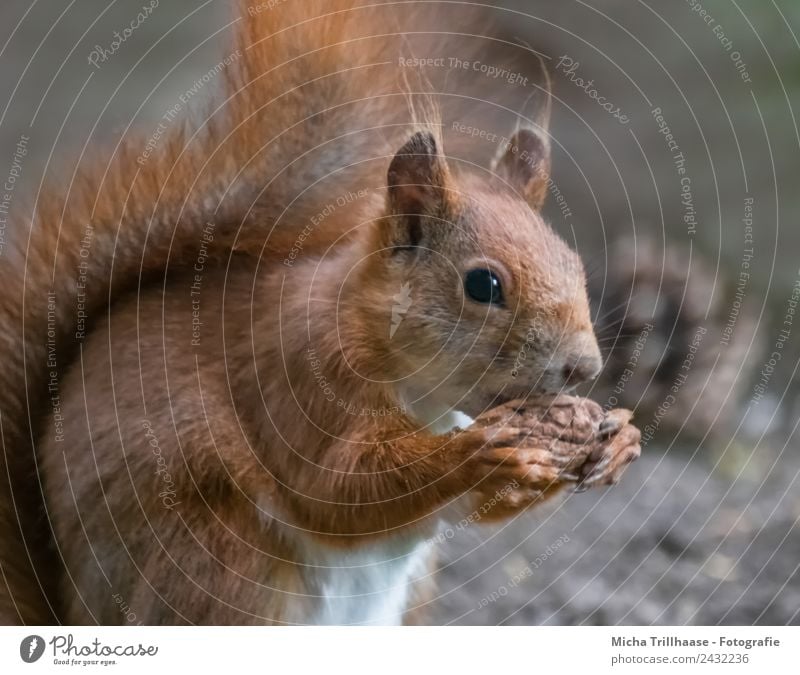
column 315, row 96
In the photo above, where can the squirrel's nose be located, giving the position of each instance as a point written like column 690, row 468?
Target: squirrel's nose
column 581, row 360
column 580, row 370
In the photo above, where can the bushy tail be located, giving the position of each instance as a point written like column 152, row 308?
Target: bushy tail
column 314, row 98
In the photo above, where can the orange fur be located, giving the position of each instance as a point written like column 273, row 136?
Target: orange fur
column 270, row 473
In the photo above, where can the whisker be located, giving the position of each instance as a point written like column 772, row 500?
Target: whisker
column 616, row 308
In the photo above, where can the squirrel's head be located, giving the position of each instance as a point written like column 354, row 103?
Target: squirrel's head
column 477, row 300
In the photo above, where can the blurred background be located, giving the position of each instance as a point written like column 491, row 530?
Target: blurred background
column 675, row 174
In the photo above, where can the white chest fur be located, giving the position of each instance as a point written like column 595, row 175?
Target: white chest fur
column 371, row 584
column 367, row 585
column 438, row 419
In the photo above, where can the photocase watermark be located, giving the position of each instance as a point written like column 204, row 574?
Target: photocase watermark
column 253, row 10
column 10, row 184
column 52, row 369
column 206, row 238
column 650, row 429
column 569, row 67
column 125, row 610
column 454, row 63
column 476, row 516
column 531, row 337
column 630, row 367
column 167, row 494
column 323, row 383
column 477, row 132
column 402, row 303
column 365, row 411
column 347, row 407
column 524, row 573
column 101, row 54
column 318, row 218
column 82, row 280
column 678, row 159
column 67, row 652
column 506, row 145
column 784, row 333
column 31, row 648
column 744, row 273
column 724, row 40
column 175, row 110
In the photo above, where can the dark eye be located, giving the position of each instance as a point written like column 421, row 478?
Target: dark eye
column 483, row 286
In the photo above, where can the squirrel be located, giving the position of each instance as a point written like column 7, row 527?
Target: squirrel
column 247, row 374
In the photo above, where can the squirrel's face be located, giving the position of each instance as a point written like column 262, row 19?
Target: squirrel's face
column 487, row 303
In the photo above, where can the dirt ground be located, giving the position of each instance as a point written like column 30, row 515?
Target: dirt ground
column 673, row 543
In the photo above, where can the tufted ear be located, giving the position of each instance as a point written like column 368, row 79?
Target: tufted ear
column 418, row 179
column 525, row 165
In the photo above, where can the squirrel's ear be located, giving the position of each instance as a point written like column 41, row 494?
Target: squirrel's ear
column 525, row 165
column 417, row 180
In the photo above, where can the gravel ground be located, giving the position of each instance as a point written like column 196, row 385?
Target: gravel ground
column 673, row 543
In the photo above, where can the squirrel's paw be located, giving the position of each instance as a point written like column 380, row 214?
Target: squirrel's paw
column 618, row 446
column 536, row 445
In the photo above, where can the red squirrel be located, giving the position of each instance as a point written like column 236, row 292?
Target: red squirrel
column 249, row 371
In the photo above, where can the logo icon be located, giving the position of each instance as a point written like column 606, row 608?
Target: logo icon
column 31, row 648
column 402, row 302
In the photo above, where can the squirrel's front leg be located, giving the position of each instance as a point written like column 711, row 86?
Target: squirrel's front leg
column 386, row 477
column 391, row 476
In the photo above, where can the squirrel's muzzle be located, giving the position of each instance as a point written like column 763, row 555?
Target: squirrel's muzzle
column 576, row 360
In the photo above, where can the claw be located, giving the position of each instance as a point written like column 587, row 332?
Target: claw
column 608, row 427
column 597, row 472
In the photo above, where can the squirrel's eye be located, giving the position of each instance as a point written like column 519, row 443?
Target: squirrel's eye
column 483, row 286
